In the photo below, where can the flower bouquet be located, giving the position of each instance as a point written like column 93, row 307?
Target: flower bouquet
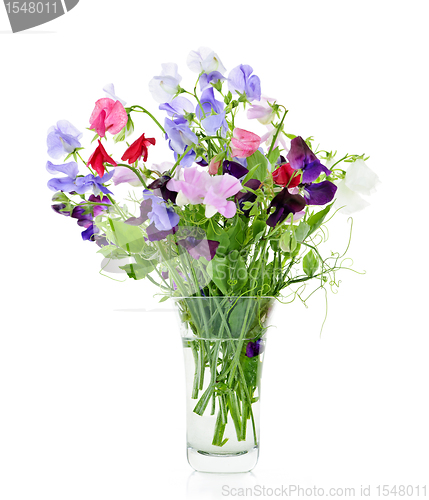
column 232, row 225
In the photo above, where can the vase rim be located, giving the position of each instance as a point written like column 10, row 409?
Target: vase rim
column 224, row 297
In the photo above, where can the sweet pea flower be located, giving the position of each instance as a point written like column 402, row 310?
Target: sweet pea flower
column 262, row 112
column 301, row 157
column 98, row 158
column 235, row 169
column 285, row 204
column 267, row 138
column 192, row 188
column 164, row 87
column 240, row 80
column 209, row 104
column 320, row 193
column 180, row 137
column 108, row 116
column 199, row 248
column 159, row 187
column 109, row 89
column 359, row 180
column 214, row 166
column 124, row 174
column 138, row 149
column 164, row 218
column 72, row 183
column 204, row 61
column 86, row 219
column 244, row 196
column 213, row 123
column 254, row 348
column 177, row 107
column 284, row 176
column 244, row 143
column 63, row 139
column 220, row 188
column 207, row 79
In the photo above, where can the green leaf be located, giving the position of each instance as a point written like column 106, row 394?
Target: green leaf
column 274, row 155
column 218, row 270
column 236, row 234
column 310, row 264
column 139, row 270
column 258, row 228
column 112, row 252
column 316, row 220
column 251, row 370
column 301, row 232
column 128, row 237
column 257, row 165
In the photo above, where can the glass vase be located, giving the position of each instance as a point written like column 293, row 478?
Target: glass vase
column 224, row 342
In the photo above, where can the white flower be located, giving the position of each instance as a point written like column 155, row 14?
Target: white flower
column 359, row 180
column 204, row 60
column 268, row 138
column 109, row 89
column 164, row 87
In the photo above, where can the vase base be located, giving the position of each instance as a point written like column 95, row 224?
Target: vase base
column 223, row 463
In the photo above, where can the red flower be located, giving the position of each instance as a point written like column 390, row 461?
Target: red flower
column 138, row 149
column 283, row 174
column 98, row 158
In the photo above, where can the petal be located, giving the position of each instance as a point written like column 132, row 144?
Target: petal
column 320, row 194
column 116, row 119
column 71, row 169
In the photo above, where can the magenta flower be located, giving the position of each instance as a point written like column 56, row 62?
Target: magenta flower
column 108, row 116
column 244, row 143
column 221, row 188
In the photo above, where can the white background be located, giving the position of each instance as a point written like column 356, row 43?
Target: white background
column 92, row 396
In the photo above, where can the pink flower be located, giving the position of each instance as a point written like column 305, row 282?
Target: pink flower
column 244, row 143
column 263, row 112
column 214, row 166
column 199, row 187
column 193, row 188
column 221, row 188
column 108, row 116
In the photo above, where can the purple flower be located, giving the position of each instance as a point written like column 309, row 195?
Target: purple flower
column 239, row 80
column 242, row 197
column 319, row 194
column 254, row 348
column 207, row 79
column 161, row 185
column 86, row 219
column 213, row 123
column 164, row 218
column 177, row 107
column 63, row 139
column 301, row 157
column 180, row 136
column 234, row 168
column 208, row 103
column 199, row 248
column 81, row 184
column 284, row 204
column 155, row 209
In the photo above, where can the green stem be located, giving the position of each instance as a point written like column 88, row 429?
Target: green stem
column 143, row 110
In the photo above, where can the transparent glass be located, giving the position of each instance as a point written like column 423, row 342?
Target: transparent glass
column 224, row 341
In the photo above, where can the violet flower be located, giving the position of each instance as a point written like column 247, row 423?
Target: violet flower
column 177, row 107
column 63, row 139
column 86, row 219
column 71, row 183
column 254, row 348
column 244, row 196
column 301, row 157
column 320, row 193
column 207, row 79
column 235, row 169
column 240, row 79
column 159, row 186
column 284, row 204
column 199, row 248
column 180, row 137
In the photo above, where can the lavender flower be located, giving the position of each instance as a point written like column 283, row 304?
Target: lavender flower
column 63, row 139
column 240, row 80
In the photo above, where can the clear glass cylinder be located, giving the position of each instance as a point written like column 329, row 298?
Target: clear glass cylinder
column 224, row 341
